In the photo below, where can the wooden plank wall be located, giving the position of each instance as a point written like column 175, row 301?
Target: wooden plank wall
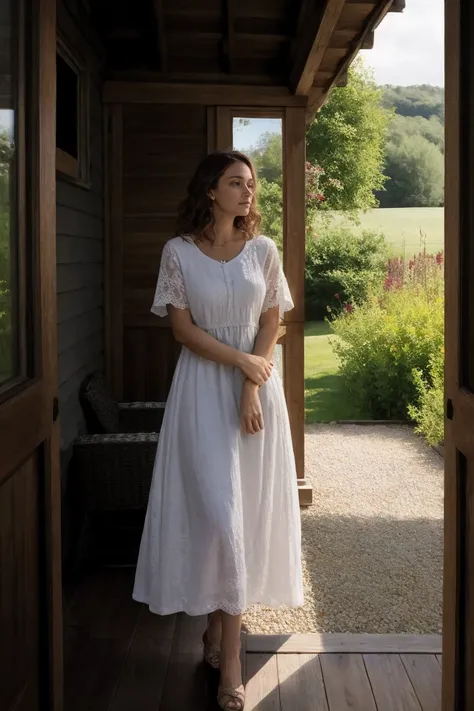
column 80, row 264
column 162, row 145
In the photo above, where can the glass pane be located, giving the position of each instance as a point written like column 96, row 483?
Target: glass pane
column 262, row 140
column 9, row 361
column 67, row 85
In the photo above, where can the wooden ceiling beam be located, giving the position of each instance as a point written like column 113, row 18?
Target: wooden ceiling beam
column 318, row 96
column 344, row 39
column 313, row 38
column 365, row 7
column 134, row 92
column 228, row 43
column 368, row 43
column 161, row 34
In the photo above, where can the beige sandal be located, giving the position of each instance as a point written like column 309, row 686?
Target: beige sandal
column 212, row 653
column 231, row 699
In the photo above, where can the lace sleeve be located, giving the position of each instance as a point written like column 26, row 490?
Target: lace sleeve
column 170, row 285
column 278, row 292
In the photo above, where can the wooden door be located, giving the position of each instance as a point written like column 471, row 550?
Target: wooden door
column 458, row 631
column 30, row 574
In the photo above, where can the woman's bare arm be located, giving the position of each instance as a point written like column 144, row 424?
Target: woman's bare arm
column 203, row 344
column 267, row 336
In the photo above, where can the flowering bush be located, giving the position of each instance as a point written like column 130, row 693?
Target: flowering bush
column 387, row 344
column 316, row 180
column 270, row 201
column 341, row 268
column 423, row 269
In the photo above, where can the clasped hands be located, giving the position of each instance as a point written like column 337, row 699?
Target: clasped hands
column 257, row 370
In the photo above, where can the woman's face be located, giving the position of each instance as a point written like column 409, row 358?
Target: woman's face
column 235, row 190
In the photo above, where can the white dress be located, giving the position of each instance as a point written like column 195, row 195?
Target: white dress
column 222, row 527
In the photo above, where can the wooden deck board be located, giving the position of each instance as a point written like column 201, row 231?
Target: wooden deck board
column 390, row 684
column 143, row 676
column 189, row 683
column 346, row 683
column 301, row 683
column 315, row 643
column 423, row 672
column 119, row 655
column 262, row 691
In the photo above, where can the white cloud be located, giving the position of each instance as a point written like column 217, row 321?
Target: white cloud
column 409, row 46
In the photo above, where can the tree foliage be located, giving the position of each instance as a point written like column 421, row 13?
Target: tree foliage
column 347, row 140
column 432, row 129
column 414, row 153
column 267, row 157
column 419, row 100
column 416, row 170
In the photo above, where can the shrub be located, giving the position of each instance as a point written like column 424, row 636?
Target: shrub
column 342, row 267
column 387, row 344
column 428, row 413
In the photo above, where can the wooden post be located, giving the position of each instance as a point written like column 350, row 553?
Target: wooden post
column 44, row 211
column 294, row 156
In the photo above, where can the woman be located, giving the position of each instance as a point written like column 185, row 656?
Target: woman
column 222, row 529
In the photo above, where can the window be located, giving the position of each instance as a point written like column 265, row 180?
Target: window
column 12, row 336
column 72, row 116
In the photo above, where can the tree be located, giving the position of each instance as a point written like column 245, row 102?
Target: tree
column 270, row 205
column 416, row 170
column 347, row 140
column 267, row 157
column 432, row 129
column 421, row 100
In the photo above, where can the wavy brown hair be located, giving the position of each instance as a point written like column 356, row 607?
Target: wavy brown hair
column 195, row 212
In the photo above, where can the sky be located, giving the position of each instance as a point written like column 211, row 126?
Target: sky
column 409, row 45
column 408, row 49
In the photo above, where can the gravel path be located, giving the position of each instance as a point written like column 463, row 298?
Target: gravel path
column 373, row 539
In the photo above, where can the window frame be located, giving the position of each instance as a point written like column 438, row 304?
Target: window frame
column 76, row 170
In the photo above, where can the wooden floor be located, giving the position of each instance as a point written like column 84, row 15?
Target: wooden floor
column 119, row 656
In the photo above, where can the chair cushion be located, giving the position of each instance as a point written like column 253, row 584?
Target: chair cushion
column 123, row 438
column 100, row 409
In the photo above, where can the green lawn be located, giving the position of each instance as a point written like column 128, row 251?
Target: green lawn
column 405, row 228
column 325, row 399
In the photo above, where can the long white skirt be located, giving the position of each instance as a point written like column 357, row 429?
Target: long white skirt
column 222, row 528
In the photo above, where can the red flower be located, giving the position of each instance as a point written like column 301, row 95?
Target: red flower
column 439, row 258
column 311, row 196
column 320, row 197
column 349, row 308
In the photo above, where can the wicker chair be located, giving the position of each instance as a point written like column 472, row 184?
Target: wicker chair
column 112, row 472
column 114, row 461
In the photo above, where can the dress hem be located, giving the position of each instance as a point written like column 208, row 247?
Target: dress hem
column 229, row 609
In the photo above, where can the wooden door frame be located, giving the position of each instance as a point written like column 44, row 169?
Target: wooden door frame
column 46, row 217
column 458, row 607
column 26, row 411
column 293, row 118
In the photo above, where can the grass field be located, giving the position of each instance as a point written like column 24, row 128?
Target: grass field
column 405, row 228
column 325, row 398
